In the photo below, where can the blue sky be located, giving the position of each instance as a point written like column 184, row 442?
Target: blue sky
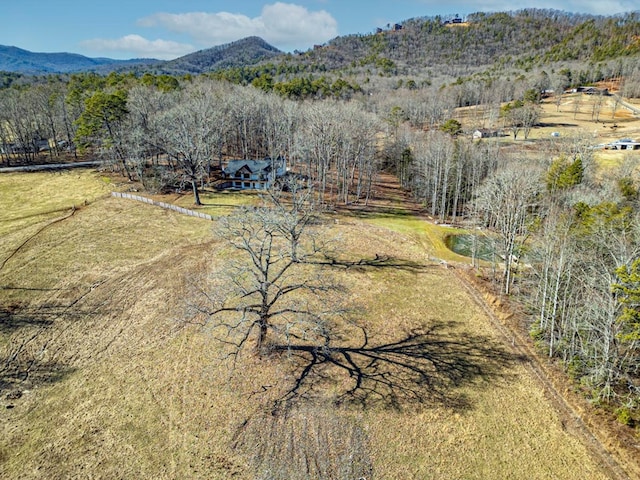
column 168, row 29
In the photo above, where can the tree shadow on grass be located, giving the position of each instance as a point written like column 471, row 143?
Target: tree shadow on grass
column 25, row 344
column 425, row 367
column 16, row 377
column 22, row 365
column 379, row 261
column 12, row 319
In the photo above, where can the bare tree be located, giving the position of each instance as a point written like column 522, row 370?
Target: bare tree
column 271, row 292
column 505, row 202
column 19, row 124
column 189, row 134
column 552, row 266
column 596, row 107
column 576, row 104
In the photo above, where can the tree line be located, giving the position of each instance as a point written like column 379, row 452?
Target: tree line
column 567, row 237
column 169, row 133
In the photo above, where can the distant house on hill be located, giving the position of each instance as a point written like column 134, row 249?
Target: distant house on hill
column 456, row 20
column 253, row 174
column 485, row 133
column 588, row 90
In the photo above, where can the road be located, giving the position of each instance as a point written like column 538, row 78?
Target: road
column 51, row 166
column 635, row 110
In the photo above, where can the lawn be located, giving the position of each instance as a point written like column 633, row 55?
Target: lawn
column 107, row 381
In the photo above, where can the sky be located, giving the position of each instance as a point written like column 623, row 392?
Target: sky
column 167, row 29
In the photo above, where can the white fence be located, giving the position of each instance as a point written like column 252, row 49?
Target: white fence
column 168, row 206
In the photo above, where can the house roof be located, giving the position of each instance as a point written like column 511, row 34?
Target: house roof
column 254, row 166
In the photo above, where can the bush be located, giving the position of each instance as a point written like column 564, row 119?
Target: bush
column 625, row 417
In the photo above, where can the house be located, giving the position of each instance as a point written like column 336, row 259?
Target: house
column 622, row 144
column 253, row 174
column 587, row 90
column 485, row 133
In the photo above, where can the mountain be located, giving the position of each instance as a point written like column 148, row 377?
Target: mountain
column 243, row 52
column 14, row 59
column 522, row 39
column 247, row 51
column 427, row 47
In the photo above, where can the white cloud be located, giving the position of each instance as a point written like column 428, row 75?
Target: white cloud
column 285, row 25
column 138, row 46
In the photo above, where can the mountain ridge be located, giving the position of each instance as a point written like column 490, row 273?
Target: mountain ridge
column 19, row 60
column 244, row 51
column 521, row 39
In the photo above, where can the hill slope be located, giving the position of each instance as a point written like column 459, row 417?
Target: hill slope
column 521, row 39
column 99, row 368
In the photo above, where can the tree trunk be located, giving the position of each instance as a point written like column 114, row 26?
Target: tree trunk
column 196, row 193
column 262, row 335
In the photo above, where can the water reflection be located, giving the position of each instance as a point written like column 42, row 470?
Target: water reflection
column 481, row 247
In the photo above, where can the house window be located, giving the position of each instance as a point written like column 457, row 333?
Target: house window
column 247, row 184
column 237, row 184
column 246, row 175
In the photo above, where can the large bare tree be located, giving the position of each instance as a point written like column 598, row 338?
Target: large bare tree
column 269, row 294
column 189, row 133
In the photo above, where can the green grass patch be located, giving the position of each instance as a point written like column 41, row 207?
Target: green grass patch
column 29, row 198
column 429, row 236
column 216, row 203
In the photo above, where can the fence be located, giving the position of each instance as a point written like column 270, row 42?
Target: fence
column 168, row 206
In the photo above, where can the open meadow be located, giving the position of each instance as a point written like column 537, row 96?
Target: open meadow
column 102, row 378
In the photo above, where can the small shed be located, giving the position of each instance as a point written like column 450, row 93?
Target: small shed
column 485, row 133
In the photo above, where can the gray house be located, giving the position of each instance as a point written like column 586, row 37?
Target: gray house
column 253, row 174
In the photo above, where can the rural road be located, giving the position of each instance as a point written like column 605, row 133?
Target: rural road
column 51, row 166
column 632, row 108
column 566, row 411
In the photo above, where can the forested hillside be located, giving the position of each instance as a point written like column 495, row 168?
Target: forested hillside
column 430, row 47
column 247, row 51
column 434, row 50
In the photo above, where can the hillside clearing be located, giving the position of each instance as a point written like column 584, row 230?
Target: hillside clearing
column 108, row 382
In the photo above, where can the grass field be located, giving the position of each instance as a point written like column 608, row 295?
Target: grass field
column 574, row 118
column 101, row 379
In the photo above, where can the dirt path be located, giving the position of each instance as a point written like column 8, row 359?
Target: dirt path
column 577, row 419
column 572, row 420
column 72, row 211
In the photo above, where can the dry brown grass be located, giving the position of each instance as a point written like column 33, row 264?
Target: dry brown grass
column 114, row 385
column 570, row 120
column 574, row 118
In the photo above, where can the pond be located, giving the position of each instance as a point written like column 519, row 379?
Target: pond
column 465, row 244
